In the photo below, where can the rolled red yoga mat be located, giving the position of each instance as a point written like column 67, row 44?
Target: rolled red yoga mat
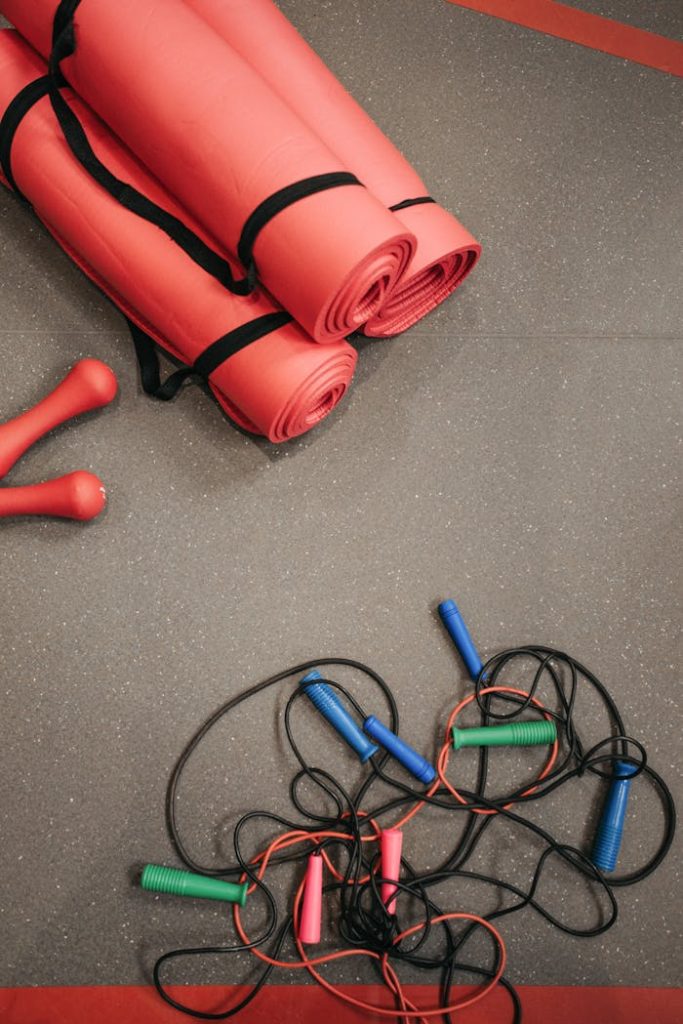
column 446, row 251
column 223, row 143
column 279, row 385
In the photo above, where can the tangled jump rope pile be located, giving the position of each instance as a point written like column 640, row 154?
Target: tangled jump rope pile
column 237, row 226
column 376, row 904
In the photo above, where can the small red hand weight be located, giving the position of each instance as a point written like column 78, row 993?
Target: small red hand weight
column 89, row 385
column 78, row 495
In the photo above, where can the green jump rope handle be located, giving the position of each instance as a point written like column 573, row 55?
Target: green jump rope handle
column 156, row 878
column 515, row 734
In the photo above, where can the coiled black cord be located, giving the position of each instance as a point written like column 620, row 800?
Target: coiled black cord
column 364, row 921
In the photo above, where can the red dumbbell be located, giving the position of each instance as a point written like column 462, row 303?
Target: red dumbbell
column 80, row 495
column 89, row 385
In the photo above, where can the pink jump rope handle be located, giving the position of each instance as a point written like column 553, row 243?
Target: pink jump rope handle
column 312, row 905
column 89, row 385
column 78, row 495
column 391, row 843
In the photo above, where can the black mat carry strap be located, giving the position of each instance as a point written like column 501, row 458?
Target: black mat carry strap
column 12, row 118
column 411, row 202
column 209, row 360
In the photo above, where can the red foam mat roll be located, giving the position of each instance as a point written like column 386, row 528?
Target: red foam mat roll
column 446, row 251
column 278, row 386
column 222, row 142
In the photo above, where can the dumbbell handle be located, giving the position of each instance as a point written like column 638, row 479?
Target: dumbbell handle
column 88, row 385
column 78, row 495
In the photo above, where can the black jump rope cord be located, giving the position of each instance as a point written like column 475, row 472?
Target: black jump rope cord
column 363, row 920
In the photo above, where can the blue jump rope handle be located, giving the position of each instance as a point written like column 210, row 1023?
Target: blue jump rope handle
column 608, row 837
column 329, row 705
column 453, row 621
column 415, row 763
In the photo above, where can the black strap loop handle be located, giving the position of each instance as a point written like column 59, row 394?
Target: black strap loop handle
column 209, row 360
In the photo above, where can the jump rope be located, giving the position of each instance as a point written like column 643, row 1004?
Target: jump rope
column 382, row 906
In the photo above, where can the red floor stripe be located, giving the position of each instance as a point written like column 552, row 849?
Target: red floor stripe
column 592, row 30
column 308, row 1004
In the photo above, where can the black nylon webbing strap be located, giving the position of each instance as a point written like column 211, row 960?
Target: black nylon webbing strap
column 411, row 202
column 63, row 22
column 232, row 342
column 150, row 374
column 12, row 118
column 280, row 200
column 210, row 359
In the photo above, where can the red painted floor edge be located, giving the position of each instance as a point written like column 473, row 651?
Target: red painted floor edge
column 305, row 1004
column 586, row 29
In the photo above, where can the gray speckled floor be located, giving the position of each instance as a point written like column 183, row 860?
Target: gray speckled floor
column 519, row 451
